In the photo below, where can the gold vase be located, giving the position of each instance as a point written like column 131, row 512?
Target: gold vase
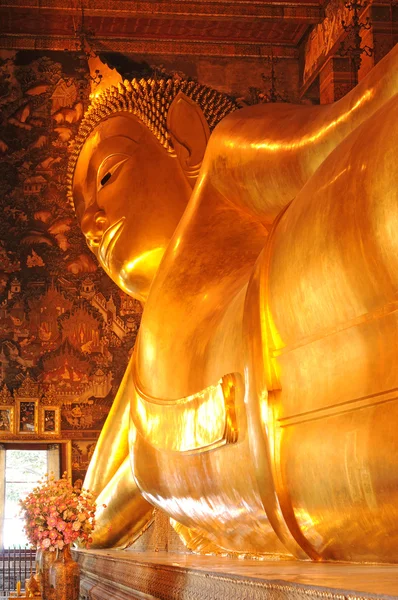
column 44, row 560
column 64, row 576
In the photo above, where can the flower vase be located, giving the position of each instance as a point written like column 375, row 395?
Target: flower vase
column 64, row 576
column 44, row 560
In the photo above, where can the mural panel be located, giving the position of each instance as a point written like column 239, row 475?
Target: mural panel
column 66, row 332
column 82, row 452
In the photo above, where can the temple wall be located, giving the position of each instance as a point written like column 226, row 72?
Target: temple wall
column 235, row 75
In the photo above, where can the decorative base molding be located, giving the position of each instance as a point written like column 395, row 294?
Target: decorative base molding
column 123, row 575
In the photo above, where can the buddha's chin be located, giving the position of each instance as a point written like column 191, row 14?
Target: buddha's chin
column 136, row 275
column 133, row 284
column 136, row 287
column 133, row 276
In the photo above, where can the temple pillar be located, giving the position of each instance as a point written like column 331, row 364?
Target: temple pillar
column 335, row 79
column 382, row 35
column 321, row 54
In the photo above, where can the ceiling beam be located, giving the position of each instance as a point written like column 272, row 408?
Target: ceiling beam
column 307, row 11
column 151, row 47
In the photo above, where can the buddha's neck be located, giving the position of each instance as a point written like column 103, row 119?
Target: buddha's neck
column 190, row 334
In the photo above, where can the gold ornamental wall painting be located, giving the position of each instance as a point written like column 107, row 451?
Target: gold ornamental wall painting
column 66, row 331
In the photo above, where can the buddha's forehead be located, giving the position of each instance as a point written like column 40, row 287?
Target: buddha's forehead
column 120, row 133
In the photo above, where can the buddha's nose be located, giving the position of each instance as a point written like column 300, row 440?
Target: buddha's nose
column 93, row 225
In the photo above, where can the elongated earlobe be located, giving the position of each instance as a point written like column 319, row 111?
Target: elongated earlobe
column 189, row 132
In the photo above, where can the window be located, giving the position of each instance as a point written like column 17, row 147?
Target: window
column 23, row 469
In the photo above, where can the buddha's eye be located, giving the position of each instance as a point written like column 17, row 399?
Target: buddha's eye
column 113, row 166
column 106, row 178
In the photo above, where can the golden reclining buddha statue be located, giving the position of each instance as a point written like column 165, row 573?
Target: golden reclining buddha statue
column 259, row 408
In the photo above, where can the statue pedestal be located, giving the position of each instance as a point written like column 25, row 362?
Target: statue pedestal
column 125, row 575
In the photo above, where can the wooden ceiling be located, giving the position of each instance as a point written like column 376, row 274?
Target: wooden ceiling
column 183, row 27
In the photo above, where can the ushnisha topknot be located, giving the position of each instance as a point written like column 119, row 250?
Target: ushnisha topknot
column 149, row 100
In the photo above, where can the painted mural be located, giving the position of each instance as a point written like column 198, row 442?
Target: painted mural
column 82, row 452
column 66, row 331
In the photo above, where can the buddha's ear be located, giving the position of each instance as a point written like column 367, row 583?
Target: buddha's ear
column 189, row 133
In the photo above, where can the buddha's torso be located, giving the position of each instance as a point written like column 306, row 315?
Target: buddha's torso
column 267, row 349
column 198, row 328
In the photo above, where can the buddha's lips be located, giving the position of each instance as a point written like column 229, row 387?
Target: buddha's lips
column 109, row 240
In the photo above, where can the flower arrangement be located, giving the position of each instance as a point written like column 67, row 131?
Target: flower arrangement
column 57, row 514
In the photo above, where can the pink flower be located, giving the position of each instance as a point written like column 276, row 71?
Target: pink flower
column 56, row 513
column 61, row 525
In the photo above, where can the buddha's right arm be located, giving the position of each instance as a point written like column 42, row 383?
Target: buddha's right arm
column 112, row 446
column 121, row 512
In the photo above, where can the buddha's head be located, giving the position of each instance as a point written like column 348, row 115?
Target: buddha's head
column 135, row 160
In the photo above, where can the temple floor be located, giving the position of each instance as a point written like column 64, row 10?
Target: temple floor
column 126, row 575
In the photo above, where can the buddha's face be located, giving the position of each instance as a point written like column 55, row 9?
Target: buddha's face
column 129, row 195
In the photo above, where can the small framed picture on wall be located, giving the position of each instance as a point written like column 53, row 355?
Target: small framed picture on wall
column 50, row 420
column 7, row 422
column 27, row 417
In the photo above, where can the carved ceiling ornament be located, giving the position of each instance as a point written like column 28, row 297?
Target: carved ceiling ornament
column 160, row 26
